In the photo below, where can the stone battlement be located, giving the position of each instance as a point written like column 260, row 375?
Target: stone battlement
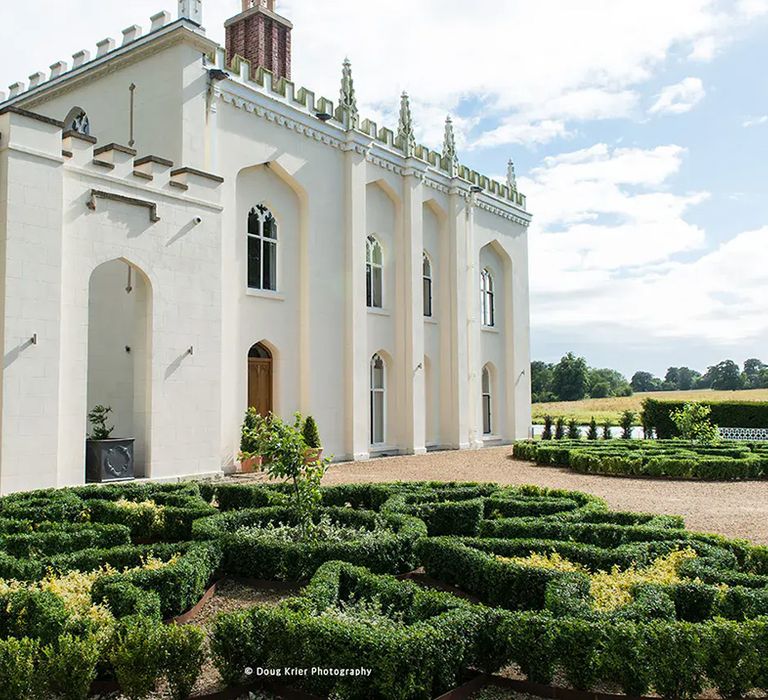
column 42, row 137
column 306, row 100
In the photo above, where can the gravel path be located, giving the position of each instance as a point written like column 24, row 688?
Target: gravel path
column 735, row 509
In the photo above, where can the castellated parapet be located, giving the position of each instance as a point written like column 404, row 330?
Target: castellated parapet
column 282, row 89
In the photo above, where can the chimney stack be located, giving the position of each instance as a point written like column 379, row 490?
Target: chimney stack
column 260, row 36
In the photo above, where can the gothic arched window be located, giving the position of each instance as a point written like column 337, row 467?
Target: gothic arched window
column 262, row 249
column 487, row 402
column 378, row 400
column 374, row 273
column 487, row 299
column 426, row 272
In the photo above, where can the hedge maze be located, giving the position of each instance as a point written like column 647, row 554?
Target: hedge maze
column 674, row 459
column 550, row 580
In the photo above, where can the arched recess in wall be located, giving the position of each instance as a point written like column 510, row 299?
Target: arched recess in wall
column 381, row 399
column 119, row 371
column 261, row 377
column 506, row 374
column 275, row 187
column 383, row 213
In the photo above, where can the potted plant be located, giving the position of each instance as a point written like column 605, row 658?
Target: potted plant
column 311, row 435
column 106, row 458
column 252, row 440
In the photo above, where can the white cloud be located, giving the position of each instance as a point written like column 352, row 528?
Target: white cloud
column 612, row 251
column 679, row 98
column 550, row 62
column 755, row 121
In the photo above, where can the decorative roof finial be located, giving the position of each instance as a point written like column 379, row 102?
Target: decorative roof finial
column 449, row 148
column 347, row 99
column 405, row 136
column 191, row 9
column 511, row 177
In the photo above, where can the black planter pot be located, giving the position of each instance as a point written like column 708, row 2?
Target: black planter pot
column 109, row 460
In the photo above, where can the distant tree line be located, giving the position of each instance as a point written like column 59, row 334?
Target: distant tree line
column 571, row 379
column 724, row 376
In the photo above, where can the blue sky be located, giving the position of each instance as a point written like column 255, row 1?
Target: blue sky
column 639, row 131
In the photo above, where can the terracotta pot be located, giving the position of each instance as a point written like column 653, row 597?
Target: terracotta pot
column 251, row 464
column 312, row 455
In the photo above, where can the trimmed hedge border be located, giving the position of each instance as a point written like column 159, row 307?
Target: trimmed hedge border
column 657, row 414
column 261, row 557
column 671, row 459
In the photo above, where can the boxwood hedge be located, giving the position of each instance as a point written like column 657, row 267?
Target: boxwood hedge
column 164, row 544
column 674, row 459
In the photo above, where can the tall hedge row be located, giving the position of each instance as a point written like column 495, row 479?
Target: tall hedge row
column 657, row 414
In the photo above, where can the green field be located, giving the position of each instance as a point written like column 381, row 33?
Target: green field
column 611, row 408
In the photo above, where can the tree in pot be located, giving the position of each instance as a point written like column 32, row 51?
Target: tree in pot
column 252, row 436
column 312, row 440
column 106, row 458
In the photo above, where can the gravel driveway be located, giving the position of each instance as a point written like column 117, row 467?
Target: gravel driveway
column 735, row 509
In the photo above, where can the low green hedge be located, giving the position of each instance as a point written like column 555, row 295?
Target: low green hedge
column 415, row 643
column 654, row 458
column 257, row 555
column 179, row 585
column 674, row 659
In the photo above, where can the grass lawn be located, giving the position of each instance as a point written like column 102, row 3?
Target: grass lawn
column 611, row 408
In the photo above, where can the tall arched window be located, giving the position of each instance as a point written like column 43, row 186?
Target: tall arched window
column 426, row 272
column 262, row 249
column 378, row 400
column 374, row 272
column 487, row 402
column 487, row 300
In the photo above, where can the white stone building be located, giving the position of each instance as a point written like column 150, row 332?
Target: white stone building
column 185, row 234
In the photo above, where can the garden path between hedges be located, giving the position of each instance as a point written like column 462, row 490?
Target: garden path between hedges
column 735, row 509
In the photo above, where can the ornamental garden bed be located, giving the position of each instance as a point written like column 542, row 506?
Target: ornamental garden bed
column 551, row 582
column 675, row 459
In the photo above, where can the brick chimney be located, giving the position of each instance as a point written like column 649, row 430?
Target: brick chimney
column 261, row 36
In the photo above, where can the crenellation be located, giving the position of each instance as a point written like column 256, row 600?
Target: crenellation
column 386, row 136
column 59, row 68
column 104, row 46
column 80, row 58
column 159, row 20
column 305, row 98
column 36, row 79
column 130, row 34
column 324, row 106
column 284, row 89
column 369, row 128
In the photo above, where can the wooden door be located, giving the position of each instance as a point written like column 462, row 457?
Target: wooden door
column 260, row 384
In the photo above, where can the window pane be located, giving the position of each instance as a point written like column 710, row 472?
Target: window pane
column 427, row 296
column 368, row 286
column 270, row 227
column 378, row 417
column 253, row 222
column 491, row 310
column 487, row 415
column 377, row 375
column 270, row 265
column 254, row 262
column 376, row 293
column 486, row 382
column 376, row 254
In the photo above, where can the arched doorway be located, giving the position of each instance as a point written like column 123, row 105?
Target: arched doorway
column 119, row 353
column 260, row 379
